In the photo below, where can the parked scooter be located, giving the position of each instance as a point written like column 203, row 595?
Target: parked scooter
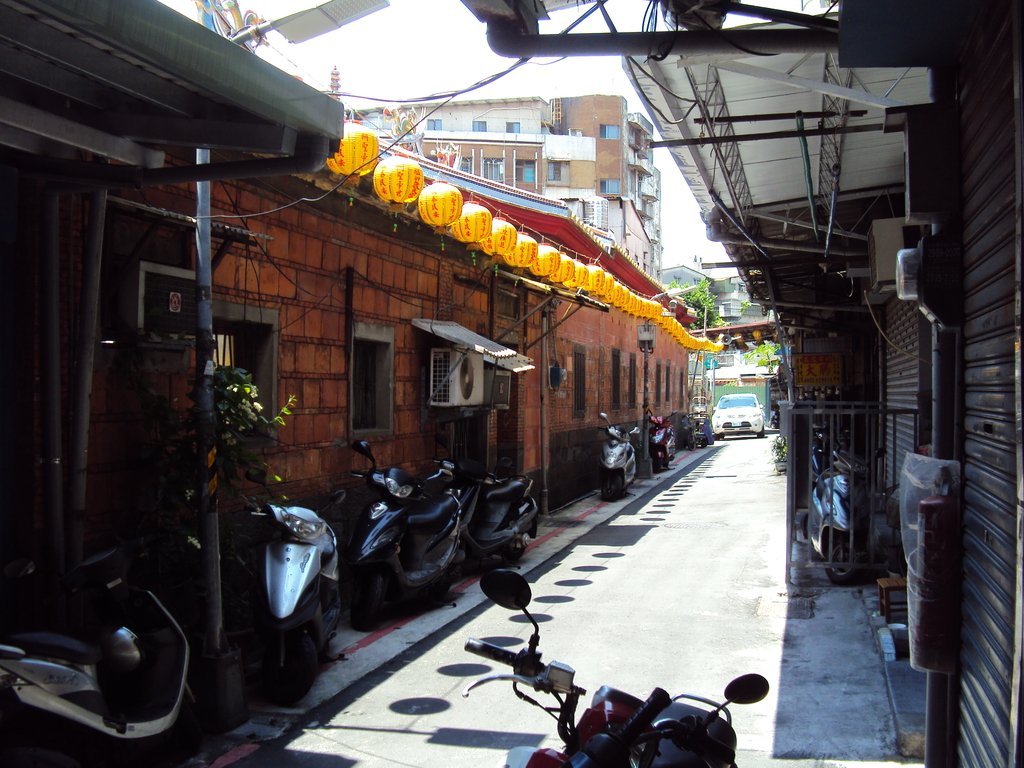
column 618, row 461
column 499, row 515
column 617, row 730
column 661, row 440
column 299, row 602
column 839, row 515
column 67, row 702
column 405, row 543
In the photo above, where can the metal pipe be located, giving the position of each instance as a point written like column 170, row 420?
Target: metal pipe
column 717, row 236
column 805, row 154
column 800, row 133
column 81, row 407
column 832, row 209
column 693, row 46
column 49, row 390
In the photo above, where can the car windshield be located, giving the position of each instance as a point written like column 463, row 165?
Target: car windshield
column 737, row 401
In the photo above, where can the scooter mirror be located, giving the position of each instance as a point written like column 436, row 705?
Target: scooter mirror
column 747, row 689
column 604, row 416
column 363, row 449
column 506, row 588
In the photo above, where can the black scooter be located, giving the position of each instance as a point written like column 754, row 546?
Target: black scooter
column 499, row 514
column 405, row 543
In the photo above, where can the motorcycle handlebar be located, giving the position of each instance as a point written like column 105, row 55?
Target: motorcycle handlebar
column 490, row 651
column 644, row 714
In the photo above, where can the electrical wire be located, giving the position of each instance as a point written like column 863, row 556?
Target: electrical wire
column 896, row 347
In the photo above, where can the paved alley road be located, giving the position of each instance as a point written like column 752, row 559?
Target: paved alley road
column 682, row 589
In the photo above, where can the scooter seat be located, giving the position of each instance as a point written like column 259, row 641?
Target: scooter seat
column 510, row 490
column 470, row 469
column 432, row 514
column 54, row 646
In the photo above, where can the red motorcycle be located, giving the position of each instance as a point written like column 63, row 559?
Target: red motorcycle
column 661, row 437
column 617, row 730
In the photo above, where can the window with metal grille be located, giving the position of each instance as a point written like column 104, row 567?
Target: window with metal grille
column 616, row 379
column 657, row 383
column 668, row 384
column 371, row 379
column 579, row 382
column 632, row 379
column 494, row 168
column 466, row 164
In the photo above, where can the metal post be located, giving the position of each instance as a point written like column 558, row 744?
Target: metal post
column 643, row 466
column 220, row 686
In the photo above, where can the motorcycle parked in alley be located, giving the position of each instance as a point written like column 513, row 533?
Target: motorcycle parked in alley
column 661, row 440
column 405, row 543
column 617, row 730
column 111, row 700
column 837, row 522
column 499, row 515
column 618, row 461
column 299, row 602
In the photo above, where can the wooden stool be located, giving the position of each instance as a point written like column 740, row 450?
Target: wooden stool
column 892, row 599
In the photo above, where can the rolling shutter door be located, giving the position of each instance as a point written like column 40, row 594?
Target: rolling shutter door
column 989, row 488
column 907, row 383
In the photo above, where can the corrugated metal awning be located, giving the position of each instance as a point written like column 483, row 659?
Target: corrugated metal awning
column 460, row 336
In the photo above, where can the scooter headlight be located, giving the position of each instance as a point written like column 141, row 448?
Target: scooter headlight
column 396, row 489
column 305, row 530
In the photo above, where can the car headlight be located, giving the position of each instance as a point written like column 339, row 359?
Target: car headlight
column 305, row 530
column 396, row 489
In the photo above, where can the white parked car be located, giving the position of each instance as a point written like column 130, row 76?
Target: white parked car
column 739, row 414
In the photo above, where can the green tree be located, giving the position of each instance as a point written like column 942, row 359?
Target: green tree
column 764, row 355
column 702, row 301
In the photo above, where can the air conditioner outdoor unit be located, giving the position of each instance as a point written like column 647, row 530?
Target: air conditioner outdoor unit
column 156, row 298
column 885, row 238
column 456, row 378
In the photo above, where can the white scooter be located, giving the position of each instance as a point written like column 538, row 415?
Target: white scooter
column 299, row 600
column 65, row 702
column 618, row 461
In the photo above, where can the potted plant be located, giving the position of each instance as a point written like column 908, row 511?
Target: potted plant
column 779, row 451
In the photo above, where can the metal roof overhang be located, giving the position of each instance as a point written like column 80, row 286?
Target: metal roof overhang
column 792, row 211
column 123, row 81
column 462, row 337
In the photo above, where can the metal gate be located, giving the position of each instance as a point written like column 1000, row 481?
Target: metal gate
column 853, row 437
column 989, row 448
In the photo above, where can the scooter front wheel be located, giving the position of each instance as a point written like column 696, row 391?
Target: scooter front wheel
column 843, row 572
column 368, row 601
column 288, row 673
column 612, row 488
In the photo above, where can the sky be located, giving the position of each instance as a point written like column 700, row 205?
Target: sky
column 416, row 48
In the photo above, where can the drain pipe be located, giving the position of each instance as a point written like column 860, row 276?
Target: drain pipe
column 693, row 46
column 545, row 364
column 82, row 378
column 51, row 458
